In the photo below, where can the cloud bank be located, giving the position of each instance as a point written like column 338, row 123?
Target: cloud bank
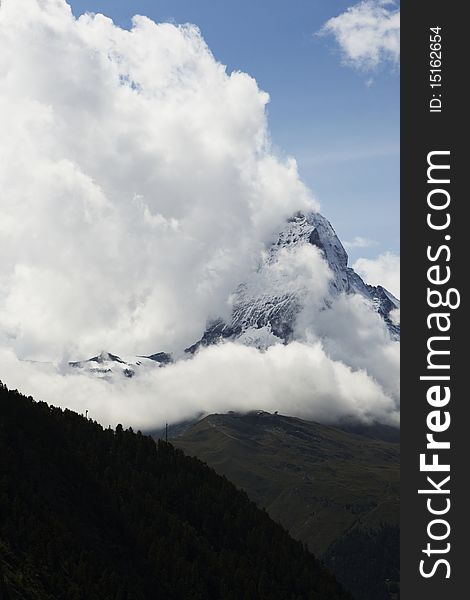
column 297, row 379
column 137, row 182
column 138, row 188
column 383, row 270
column 367, row 33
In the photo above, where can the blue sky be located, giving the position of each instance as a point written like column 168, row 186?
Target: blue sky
column 342, row 128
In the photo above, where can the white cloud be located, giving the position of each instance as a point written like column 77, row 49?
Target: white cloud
column 344, row 367
column 298, row 379
column 137, row 182
column 353, row 333
column 383, row 270
column 395, row 316
column 299, row 270
column 367, row 33
column 137, row 189
column 359, row 242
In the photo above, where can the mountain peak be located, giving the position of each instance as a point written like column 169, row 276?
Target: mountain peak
column 105, row 364
column 319, row 232
column 267, row 304
column 265, row 312
column 105, row 356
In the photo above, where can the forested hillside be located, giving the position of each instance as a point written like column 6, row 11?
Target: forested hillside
column 88, row 514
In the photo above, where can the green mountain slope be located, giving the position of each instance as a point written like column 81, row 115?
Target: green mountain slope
column 327, row 486
column 88, row 514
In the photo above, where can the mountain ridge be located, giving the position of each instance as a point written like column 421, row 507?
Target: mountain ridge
column 260, row 318
column 330, row 487
column 263, row 313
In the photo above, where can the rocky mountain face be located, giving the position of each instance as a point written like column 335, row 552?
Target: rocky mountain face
column 264, row 313
column 266, row 307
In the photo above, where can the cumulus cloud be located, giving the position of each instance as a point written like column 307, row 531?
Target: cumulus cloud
column 353, row 333
column 367, row 33
column 138, row 188
column 359, row 242
column 395, row 316
column 383, row 270
column 301, row 270
column 137, row 182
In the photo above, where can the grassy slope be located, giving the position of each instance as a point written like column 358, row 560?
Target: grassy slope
column 318, row 481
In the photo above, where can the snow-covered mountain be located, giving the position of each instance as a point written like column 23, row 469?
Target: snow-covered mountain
column 266, row 306
column 107, row 365
column 263, row 313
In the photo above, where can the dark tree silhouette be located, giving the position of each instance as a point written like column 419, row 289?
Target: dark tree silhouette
column 90, row 513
